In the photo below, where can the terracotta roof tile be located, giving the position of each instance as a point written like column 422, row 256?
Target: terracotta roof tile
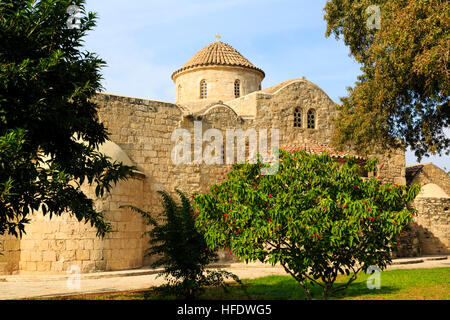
column 217, row 54
column 317, row 148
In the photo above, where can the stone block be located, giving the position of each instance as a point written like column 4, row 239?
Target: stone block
column 67, row 255
column 49, row 256
column 25, row 255
column 100, row 265
column 96, row 255
column 44, row 245
column 82, row 255
column 28, row 244
column 72, row 244
column 29, row 266
column 43, row 266
column 107, row 254
column 57, row 266
column 57, row 245
column 88, row 244
column 88, row 266
column 11, row 245
column 35, row 256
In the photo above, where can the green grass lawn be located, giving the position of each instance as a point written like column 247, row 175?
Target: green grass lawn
column 410, row 284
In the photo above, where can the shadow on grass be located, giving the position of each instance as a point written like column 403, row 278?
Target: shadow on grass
column 285, row 288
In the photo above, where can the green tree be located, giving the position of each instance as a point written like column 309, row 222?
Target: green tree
column 402, row 96
column 182, row 250
column 49, row 128
column 315, row 217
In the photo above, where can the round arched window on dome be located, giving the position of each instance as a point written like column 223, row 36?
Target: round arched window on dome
column 237, row 88
column 311, row 117
column 203, row 89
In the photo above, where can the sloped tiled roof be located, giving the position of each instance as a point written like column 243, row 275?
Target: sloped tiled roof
column 217, row 54
column 317, row 148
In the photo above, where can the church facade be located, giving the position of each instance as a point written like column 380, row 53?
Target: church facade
column 218, row 88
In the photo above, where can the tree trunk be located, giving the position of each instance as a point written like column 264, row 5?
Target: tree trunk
column 325, row 293
column 305, row 290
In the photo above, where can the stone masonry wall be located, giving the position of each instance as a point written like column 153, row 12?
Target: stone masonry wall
column 433, row 174
column 277, row 111
column 52, row 246
column 143, row 130
column 391, row 166
column 433, row 224
column 9, row 254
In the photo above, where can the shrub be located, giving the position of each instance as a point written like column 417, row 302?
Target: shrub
column 315, row 217
column 181, row 250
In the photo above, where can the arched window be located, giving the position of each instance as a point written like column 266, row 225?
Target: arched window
column 203, row 89
column 297, row 118
column 311, row 119
column 237, row 88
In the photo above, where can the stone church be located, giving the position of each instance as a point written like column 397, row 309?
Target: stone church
column 221, row 88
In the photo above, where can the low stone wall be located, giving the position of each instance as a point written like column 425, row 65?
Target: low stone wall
column 9, row 254
column 54, row 245
column 433, row 224
column 408, row 244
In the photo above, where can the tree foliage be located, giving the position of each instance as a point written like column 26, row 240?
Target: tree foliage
column 181, row 249
column 49, row 128
column 402, row 97
column 317, row 218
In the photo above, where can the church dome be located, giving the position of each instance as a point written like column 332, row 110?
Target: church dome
column 217, row 54
column 218, row 72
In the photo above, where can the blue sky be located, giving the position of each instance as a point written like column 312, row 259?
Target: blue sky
column 145, row 41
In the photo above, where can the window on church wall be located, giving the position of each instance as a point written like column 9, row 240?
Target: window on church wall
column 237, row 89
column 311, row 118
column 203, row 89
column 297, row 118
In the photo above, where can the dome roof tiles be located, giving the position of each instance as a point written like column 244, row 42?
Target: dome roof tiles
column 217, row 54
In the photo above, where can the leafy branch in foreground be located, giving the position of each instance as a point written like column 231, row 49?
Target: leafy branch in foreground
column 402, row 97
column 49, row 126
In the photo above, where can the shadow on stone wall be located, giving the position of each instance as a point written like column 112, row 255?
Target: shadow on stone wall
column 431, row 244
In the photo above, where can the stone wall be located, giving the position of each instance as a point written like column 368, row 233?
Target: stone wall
column 429, row 173
column 433, row 224
column 391, row 166
column 9, row 254
column 143, row 130
column 408, row 244
column 277, row 111
column 246, row 106
column 52, row 246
